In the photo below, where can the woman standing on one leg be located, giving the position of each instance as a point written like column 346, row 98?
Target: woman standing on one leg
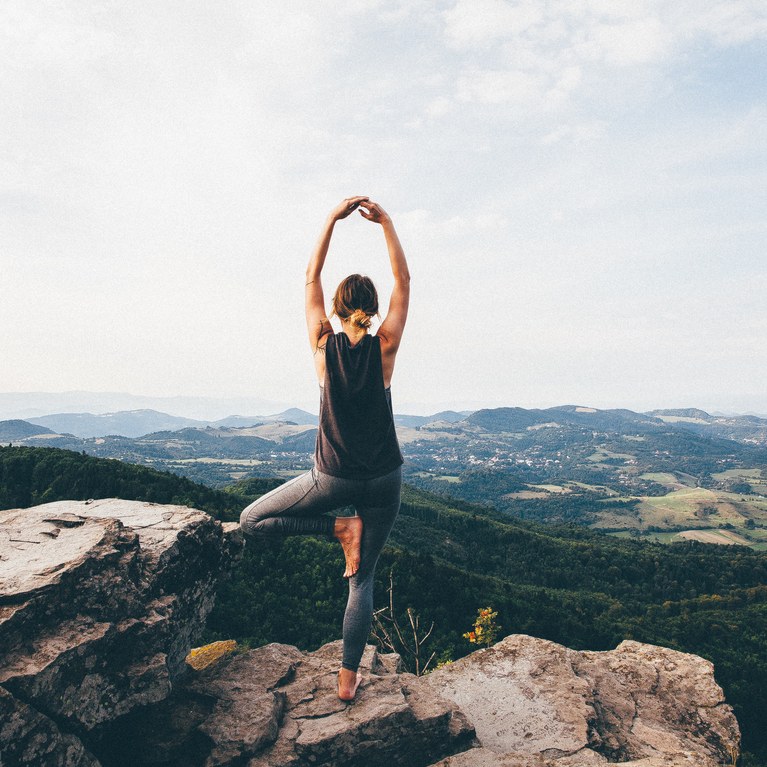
column 357, row 458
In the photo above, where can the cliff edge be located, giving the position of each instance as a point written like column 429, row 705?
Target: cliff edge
column 101, row 601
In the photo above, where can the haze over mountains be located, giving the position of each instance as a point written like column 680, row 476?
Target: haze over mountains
column 34, row 405
column 25, row 405
column 138, row 423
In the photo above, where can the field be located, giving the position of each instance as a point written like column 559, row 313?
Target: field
column 754, row 539
column 711, row 516
column 544, row 491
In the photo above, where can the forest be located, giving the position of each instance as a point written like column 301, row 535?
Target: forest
column 447, row 558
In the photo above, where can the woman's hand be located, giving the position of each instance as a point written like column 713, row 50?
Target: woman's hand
column 347, row 206
column 373, row 211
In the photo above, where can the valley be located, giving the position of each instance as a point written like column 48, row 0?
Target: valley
column 665, row 476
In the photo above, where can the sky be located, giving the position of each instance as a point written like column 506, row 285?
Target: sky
column 579, row 186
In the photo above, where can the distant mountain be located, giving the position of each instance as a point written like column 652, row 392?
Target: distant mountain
column 303, row 442
column 684, row 412
column 451, row 416
column 137, row 423
column 204, row 436
column 291, row 415
column 29, row 405
column 411, row 421
column 208, row 442
column 513, row 419
column 742, row 428
column 507, row 419
column 609, row 420
column 240, row 421
column 295, row 415
column 17, row 429
column 128, row 423
column 414, row 421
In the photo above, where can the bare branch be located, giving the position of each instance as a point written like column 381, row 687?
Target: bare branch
column 428, row 633
column 389, row 633
column 431, row 658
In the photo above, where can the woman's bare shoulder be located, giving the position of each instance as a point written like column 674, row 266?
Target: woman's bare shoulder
column 389, row 342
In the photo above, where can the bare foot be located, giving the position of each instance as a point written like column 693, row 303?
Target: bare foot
column 348, row 682
column 348, row 530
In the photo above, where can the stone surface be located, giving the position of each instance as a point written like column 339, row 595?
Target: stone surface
column 276, row 706
column 100, row 602
column 28, row 737
column 484, row 757
column 652, row 701
column 537, row 702
column 523, row 695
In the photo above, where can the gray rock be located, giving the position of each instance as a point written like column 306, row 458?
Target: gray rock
column 535, row 702
column 276, row 706
column 484, row 757
column 388, row 723
column 522, row 696
column 27, row 737
column 652, row 701
column 100, row 602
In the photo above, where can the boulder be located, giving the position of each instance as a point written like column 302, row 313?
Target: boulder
column 536, row 702
column 276, row 706
column 100, row 601
column 29, row 737
column 652, row 701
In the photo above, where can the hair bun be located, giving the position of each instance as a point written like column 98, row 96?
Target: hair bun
column 356, row 301
column 360, row 319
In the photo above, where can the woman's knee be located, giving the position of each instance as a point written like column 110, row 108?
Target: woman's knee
column 276, row 501
column 246, row 520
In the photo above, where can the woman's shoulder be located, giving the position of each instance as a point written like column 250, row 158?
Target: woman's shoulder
column 385, row 341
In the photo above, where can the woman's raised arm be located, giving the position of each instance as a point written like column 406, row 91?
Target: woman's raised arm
column 317, row 322
column 393, row 326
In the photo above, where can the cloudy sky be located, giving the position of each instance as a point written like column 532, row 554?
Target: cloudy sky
column 579, row 186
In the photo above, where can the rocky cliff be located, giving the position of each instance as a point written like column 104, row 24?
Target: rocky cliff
column 101, row 601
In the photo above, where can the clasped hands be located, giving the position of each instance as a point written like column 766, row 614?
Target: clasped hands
column 372, row 211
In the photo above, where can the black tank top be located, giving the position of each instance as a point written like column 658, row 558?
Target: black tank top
column 356, row 437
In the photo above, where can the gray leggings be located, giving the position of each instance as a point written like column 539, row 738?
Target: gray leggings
column 301, row 506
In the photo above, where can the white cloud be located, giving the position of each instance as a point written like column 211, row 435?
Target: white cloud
column 577, row 132
column 471, row 23
column 49, row 34
column 637, row 41
column 727, row 22
column 548, row 53
column 498, row 87
column 439, row 107
column 570, row 78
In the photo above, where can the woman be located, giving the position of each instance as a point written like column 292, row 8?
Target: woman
column 357, row 458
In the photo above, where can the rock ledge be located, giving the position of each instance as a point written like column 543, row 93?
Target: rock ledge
column 101, row 601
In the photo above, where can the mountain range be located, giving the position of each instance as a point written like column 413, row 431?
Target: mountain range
column 25, row 405
column 137, row 423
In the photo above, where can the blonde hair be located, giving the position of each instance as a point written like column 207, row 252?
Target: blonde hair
column 356, row 300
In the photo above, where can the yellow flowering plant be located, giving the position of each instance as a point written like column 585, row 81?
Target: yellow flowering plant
column 486, row 629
